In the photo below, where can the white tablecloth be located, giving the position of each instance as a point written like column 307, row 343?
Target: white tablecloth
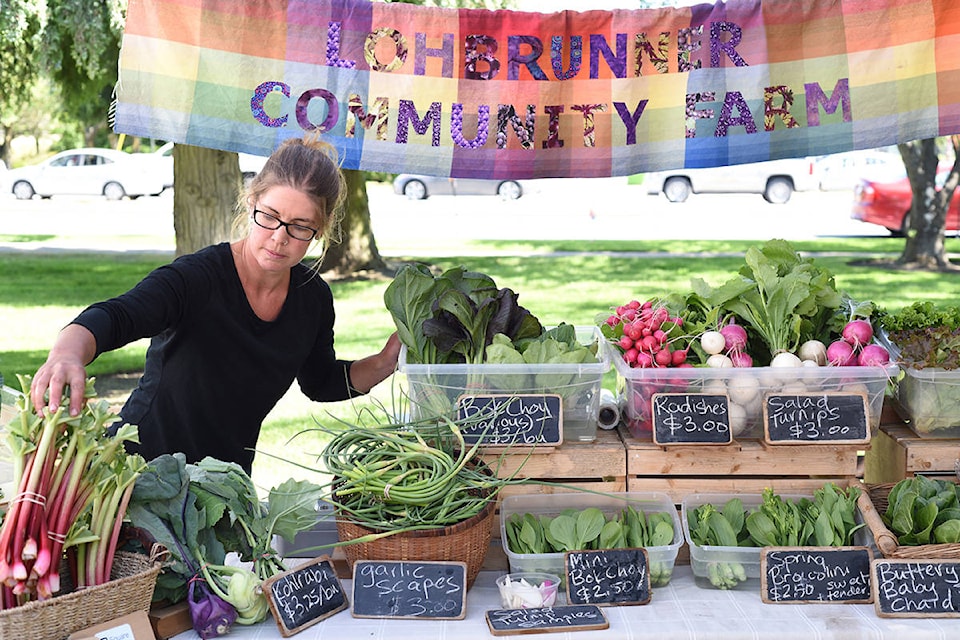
column 679, row 611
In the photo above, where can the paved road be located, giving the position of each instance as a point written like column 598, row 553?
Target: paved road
column 575, row 209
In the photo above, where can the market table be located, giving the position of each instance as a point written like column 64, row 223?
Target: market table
column 679, row 611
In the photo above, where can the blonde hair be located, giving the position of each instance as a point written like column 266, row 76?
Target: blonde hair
column 311, row 166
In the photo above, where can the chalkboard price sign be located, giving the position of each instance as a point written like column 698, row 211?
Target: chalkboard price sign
column 834, row 417
column 409, row 589
column 534, row 420
column 584, row 617
column 916, row 588
column 691, row 418
column 607, row 576
column 305, row 595
column 815, row 574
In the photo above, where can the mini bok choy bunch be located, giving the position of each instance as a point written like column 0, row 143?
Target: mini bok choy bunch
column 72, row 483
column 200, row 513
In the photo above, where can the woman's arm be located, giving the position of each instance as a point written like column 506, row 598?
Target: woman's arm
column 66, row 364
column 368, row 372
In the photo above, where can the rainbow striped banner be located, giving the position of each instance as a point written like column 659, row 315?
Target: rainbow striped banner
column 498, row 94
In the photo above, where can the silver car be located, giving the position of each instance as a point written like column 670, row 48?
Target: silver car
column 418, row 187
column 88, row 171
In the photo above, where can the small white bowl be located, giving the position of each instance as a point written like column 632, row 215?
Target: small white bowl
column 528, row 590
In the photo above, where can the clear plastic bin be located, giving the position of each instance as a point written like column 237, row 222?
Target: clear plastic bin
column 434, row 388
column 930, row 402
column 746, row 389
column 704, row 558
column 609, row 503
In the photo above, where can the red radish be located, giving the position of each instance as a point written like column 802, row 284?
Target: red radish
column 858, row 333
column 840, row 353
column 735, row 337
column 630, row 356
column 644, row 360
column 678, row 357
column 741, row 359
column 625, row 342
column 664, row 358
column 873, row 355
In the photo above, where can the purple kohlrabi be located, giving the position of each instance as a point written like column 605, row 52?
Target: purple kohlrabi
column 212, row 615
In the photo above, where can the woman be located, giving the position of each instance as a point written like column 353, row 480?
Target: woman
column 232, row 325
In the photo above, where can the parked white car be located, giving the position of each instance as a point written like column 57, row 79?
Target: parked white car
column 88, row 171
column 250, row 165
column 844, row 171
column 421, row 187
column 775, row 180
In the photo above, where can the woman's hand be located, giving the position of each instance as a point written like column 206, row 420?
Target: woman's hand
column 65, row 367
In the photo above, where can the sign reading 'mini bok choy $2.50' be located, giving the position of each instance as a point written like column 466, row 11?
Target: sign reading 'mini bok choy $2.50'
column 492, row 94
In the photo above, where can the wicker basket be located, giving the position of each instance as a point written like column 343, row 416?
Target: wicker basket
column 467, row 541
column 872, row 503
column 132, row 579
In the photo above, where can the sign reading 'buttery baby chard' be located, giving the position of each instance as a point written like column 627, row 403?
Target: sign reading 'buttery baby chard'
column 476, row 93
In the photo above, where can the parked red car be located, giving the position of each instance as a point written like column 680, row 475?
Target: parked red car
column 888, row 203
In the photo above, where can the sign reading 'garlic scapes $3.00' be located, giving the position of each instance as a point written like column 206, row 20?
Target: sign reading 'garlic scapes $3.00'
column 508, row 94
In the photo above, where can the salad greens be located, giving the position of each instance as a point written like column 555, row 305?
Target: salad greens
column 923, row 510
column 451, row 318
column 926, row 335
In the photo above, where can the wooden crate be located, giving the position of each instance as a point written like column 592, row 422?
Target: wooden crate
column 600, row 465
column 898, row 453
column 746, row 466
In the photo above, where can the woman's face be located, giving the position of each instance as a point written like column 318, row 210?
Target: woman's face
column 296, row 223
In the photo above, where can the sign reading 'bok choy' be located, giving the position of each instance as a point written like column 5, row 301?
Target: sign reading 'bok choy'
column 511, row 420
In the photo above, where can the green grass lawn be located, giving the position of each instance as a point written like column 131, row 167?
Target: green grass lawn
column 569, row 282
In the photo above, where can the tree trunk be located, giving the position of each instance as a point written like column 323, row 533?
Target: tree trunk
column 357, row 248
column 927, row 219
column 207, row 183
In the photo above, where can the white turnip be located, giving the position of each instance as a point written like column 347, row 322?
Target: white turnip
column 785, row 359
column 743, row 389
column 712, row 342
column 813, row 350
column 719, row 361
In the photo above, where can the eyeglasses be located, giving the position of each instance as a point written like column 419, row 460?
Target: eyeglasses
column 272, row 222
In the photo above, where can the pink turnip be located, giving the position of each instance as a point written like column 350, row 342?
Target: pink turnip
column 735, row 337
column 858, row 333
column 840, row 353
column 873, row 355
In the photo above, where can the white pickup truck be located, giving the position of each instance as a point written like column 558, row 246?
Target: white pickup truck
column 775, row 180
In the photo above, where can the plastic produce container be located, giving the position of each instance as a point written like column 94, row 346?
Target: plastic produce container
column 610, row 504
column 930, row 401
column 746, row 389
column 434, row 388
column 702, row 557
column 315, row 541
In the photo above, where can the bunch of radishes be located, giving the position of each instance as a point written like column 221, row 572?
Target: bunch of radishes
column 727, row 346
column 854, row 347
column 647, row 335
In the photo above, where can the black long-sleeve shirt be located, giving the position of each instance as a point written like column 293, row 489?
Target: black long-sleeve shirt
column 214, row 370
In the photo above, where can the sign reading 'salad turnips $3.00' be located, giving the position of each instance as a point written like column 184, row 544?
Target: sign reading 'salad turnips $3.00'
column 465, row 92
